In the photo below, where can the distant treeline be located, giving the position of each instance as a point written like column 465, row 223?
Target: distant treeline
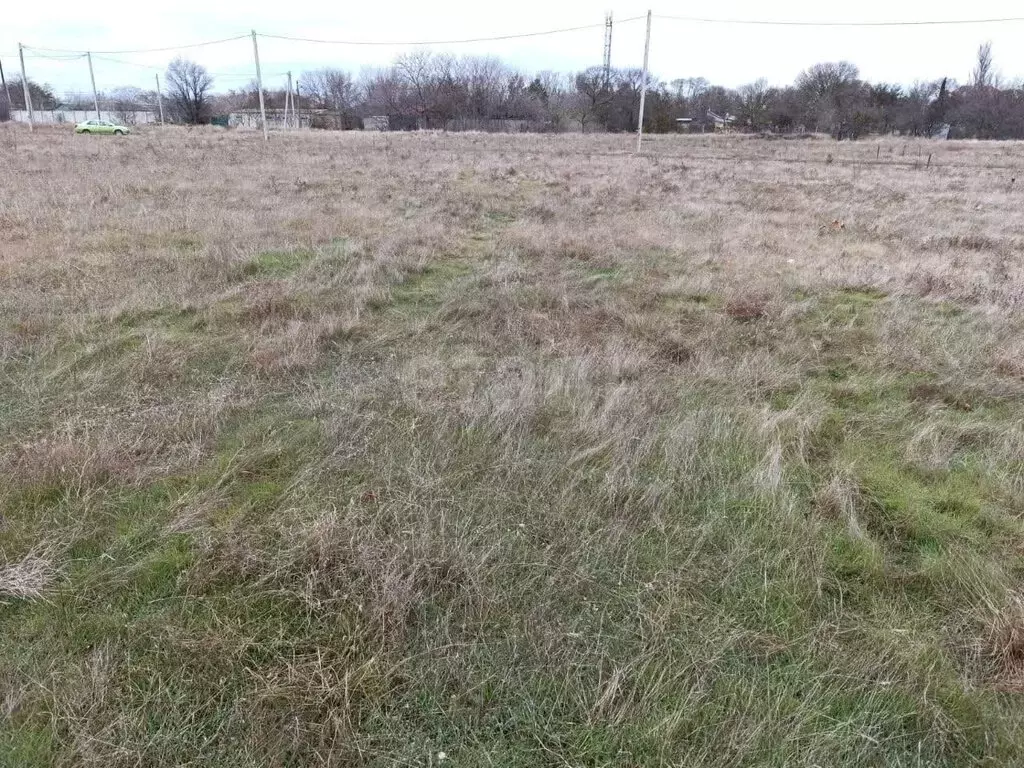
column 429, row 90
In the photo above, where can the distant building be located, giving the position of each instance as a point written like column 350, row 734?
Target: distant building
column 721, row 122
column 711, row 121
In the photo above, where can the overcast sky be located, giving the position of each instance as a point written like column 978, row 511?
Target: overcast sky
column 725, row 54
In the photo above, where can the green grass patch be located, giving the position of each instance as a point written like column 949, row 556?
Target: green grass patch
column 602, row 274
column 25, row 746
column 428, row 289
column 862, row 295
column 174, row 321
column 276, row 263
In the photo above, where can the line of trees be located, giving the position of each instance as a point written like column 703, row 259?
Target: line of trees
column 424, row 89
column 42, row 95
column 430, row 90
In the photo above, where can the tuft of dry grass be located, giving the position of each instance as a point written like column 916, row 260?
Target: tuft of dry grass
column 355, row 449
column 29, row 578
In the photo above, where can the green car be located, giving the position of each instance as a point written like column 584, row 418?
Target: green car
column 101, row 126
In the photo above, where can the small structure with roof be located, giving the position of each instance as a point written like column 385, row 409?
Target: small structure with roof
column 721, row 122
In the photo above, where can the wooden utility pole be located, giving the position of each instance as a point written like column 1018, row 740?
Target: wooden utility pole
column 92, row 78
column 159, row 99
column 259, row 84
column 643, row 87
column 24, row 83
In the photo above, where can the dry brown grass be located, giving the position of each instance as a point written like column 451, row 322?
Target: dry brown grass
column 351, row 449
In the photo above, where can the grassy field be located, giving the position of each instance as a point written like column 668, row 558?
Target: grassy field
column 376, row 450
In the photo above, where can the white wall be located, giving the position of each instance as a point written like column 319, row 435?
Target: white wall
column 71, row 116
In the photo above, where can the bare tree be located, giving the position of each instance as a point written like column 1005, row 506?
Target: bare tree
column 330, row 88
column 126, row 100
column 548, row 84
column 553, row 93
column 754, row 103
column 687, row 88
column 828, row 91
column 983, row 75
column 414, row 71
column 188, row 91
column 827, row 80
column 335, row 92
column 594, row 96
column 487, row 82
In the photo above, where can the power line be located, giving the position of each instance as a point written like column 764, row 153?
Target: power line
column 161, row 69
column 75, row 57
column 131, row 63
column 142, row 50
column 81, row 52
column 770, row 23
column 447, row 42
column 693, row 19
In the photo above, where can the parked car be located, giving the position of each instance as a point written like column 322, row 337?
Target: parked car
column 101, row 126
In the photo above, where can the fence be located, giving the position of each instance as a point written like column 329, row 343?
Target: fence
column 250, row 118
column 72, row 116
column 499, row 125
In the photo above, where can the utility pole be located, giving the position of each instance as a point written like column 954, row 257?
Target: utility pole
column 7, row 91
column 259, row 84
column 24, row 83
column 159, row 98
column 92, row 77
column 643, row 87
column 607, row 48
column 287, row 99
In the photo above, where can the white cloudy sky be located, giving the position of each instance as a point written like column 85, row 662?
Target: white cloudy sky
column 730, row 55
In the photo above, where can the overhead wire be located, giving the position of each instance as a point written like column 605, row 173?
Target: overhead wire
column 141, row 50
column 459, row 41
column 783, row 23
column 488, row 39
column 74, row 57
column 66, row 54
column 522, row 35
column 161, row 68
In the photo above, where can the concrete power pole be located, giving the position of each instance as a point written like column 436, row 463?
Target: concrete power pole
column 608, row 47
column 92, row 78
column 643, row 87
column 159, row 98
column 24, row 83
column 291, row 99
column 259, row 84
